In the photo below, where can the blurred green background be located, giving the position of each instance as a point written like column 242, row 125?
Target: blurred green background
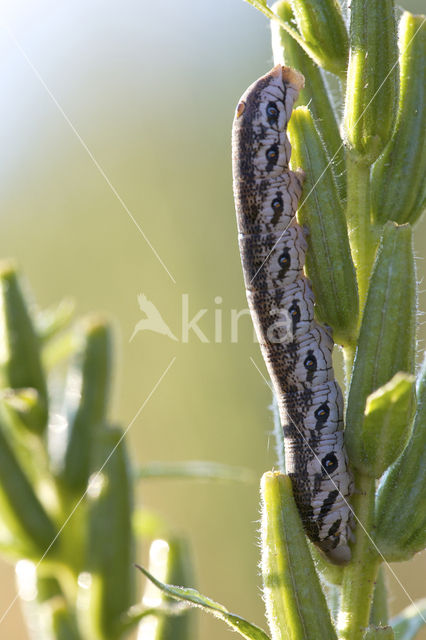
column 151, row 89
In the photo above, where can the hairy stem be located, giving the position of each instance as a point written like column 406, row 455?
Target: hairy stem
column 362, row 236
column 360, row 575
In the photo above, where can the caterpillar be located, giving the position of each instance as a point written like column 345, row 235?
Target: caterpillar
column 296, row 349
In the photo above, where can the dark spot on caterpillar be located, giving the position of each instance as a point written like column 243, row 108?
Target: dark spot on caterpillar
column 310, row 362
column 334, row 527
column 272, row 113
column 328, row 503
column 277, row 205
column 294, row 312
column 284, row 262
column 322, row 413
column 329, row 463
column 272, row 157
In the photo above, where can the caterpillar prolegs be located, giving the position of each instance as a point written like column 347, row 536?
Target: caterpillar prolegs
column 297, row 350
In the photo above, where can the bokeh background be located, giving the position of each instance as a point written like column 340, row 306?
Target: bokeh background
column 151, row 89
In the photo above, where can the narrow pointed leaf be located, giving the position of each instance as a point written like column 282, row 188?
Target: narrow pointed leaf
column 196, row 599
column 170, row 562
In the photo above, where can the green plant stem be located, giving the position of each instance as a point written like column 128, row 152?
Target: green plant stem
column 362, row 236
column 348, row 358
column 379, row 611
column 360, row 575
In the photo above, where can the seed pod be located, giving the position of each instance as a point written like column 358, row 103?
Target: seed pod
column 169, row 563
column 110, row 552
column 295, row 603
column 20, row 363
column 320, row 211
column 323, row 28
column 398, row 175
column 85, row 403
column 315, row 93
column 372, row 84
column 387, row 423
column 22, row 512
column 386, row 341
column 400, row 515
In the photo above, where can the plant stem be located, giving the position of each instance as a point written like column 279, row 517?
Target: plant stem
column 379, row 611
column 360, row 575
column 361, row 235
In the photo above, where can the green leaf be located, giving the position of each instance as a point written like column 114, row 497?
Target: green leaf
column 372, row 82
column 194, row 469
column 408, row 623
column 386, row 341
column 321, row 212
column 196, row 599
column 398, row 179
column 295, row 604
column 387, row 423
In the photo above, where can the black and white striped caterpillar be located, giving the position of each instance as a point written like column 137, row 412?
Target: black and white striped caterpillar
column 297, row 350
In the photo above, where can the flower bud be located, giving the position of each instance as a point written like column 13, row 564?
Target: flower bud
column 387, row 422
column 323, row 28
column 397, row 187
column 295, row 603
column 372, row 83
column 109, row 583
column 85, row 403
column 386, row 343
column 328, row 259
column 23, row 514
column 400, row 517
column 20, row 362
column 315, row 94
